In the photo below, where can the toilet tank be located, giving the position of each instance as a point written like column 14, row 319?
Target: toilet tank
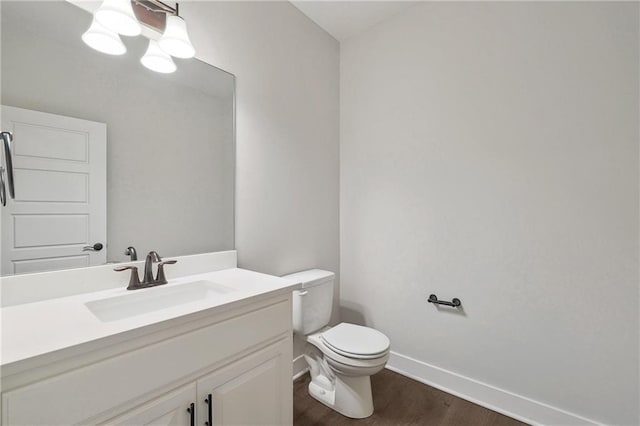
column 312, row 304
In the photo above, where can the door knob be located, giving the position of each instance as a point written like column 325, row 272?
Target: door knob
column 95, row 247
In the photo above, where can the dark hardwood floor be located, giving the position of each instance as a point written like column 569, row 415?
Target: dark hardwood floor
column 398, row 400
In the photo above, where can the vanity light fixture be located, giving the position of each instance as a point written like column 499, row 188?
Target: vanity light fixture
column 118, row 16
column 175, row 40
column 157, row 59
column 123, row 17
column 103, row 40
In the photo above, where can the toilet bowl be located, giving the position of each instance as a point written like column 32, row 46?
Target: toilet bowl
column 342, row 358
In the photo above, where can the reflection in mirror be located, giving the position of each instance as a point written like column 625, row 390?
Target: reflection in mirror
column 107, row 154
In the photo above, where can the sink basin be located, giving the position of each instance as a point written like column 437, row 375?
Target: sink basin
column 140, row 302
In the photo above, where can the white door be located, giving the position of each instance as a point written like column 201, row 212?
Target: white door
column 254, row 391
column 60, row 205
column 173, row 409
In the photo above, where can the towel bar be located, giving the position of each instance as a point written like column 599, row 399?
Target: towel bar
column 455, row 302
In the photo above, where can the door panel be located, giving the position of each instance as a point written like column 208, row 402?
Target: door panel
column 258, row 385
column 60, row 203
column 46, row 230
column 167, row 410
column 263, row 378
column 51, row 186
column 49, row 142
column 36, row 265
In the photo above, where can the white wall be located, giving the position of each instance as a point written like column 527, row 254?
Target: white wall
column 287, row 130
column 489, row 151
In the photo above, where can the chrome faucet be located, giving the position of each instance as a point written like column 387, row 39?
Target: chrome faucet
column 148, row 280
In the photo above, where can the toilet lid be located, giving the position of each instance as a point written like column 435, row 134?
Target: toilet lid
column 355, row 340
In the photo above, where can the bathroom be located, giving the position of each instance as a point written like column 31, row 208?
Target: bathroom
column 479, row 151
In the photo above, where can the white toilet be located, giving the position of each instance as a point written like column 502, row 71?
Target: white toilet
column 340, row 358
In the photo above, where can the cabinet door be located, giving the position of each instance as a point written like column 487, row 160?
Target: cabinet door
column 172, row 409
column 256, row 390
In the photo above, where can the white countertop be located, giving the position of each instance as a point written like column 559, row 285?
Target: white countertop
column 38, row 328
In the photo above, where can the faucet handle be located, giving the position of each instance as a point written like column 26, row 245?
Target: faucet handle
column 134, row 279
column 161, row 278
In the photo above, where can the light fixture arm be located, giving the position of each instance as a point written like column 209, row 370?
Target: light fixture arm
column 157, row 6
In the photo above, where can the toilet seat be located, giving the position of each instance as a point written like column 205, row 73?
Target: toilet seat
column 342, row 356
column 355, row 341
column 336, row 359
column 354, row 356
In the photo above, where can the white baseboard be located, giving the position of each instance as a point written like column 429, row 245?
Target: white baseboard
column 516, row 406
column 300, row 367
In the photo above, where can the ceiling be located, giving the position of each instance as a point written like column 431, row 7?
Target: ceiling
column 344, row 19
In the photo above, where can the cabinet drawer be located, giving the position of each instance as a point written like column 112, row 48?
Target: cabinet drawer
column 82, row 394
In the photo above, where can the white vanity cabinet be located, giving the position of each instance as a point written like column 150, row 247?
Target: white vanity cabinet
column 241, row 357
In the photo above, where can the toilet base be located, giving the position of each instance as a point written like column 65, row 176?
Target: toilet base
column 350, row 396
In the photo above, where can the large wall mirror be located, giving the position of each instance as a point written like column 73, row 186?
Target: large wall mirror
column 106, row 151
